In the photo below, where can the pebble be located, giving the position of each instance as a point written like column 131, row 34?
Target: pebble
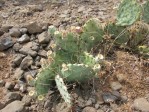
column 33, row 28
column 141, row 104
column 23, row 88
column 6, row 43
column 24, row 38
column 17, row 47
column 23, row 30
column 42, row 53
column 116, row 86
column 18, row 74
column 26, row 100
column 16, row 106
column 43, row 38
column 109, row 97
column 18, row 59
column 17, row 87
column 12, row 96
column 89, row 109
column 15, row 32
column 2, row 83
column 9, row 85
column 26, row 62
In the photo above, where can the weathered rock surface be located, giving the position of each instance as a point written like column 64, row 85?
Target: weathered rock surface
column 43, row 38
column 26, row 62
column 24, row 38
column 141, row 104
column 15, row 32
column 33, row 28
column 116, row 86
column 6, row 43
column 16, row 106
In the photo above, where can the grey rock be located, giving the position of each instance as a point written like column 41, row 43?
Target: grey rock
column 2, row 83
column 108, row 97
column 15, row 32
column 47, row 104
column 23, row 30
column 17, row 46
column 26, row 62
column 2, row 3
column 42, row 53
column 116, row 86
column 89, row 109
column 1, row 32
column 9, row 85
column 27, row 49
column 18, row 74
column 17, row 87
column 124, row 99
column 117, row 94
column 23, row 88
column 97, row 106
column 33, row 28
column 43, row 38
column 24, row 38
column 27, row 100
column 89, row 102
column 18, row 59
column 141, row 104
column 100, row 110
column 81, row 9
column 5, row 28
column 5, row 43
column 11, row 96
column 16, row 106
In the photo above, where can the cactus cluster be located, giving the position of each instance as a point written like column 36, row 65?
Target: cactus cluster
column 72, row 59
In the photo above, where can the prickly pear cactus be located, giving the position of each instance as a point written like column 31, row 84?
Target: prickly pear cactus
column 63, row 90
column 119, row 33
column 145, row 14
column 52, row 29
column 144, row 50
column 128, row 12
column 77, row 72
column 92, row 34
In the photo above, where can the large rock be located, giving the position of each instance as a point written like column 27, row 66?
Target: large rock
column 26, row 62
column 15, row 32
column 141, row 104
column 43, row 38
column 5, row 43
column 16, row 106
column 33, row 28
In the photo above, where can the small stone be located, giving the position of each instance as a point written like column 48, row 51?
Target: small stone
column 18, row 59
column 147, row 80
column 24, row 38
column 89, row 103
column 116, row 86
column 23, row 30
column 16, row 106
column 35, row 8
column 43, row 38
column 100, row 110
column 23, row 88
column 5, row 43
column 18, row 74
column 121, row 77
column 16, row 87
column 2, row 83
column 81, row 102
column 15, row 32
column 11, row 96
column 5, row 28
column 124, row 99
column 141, row 104
column 81, row 9
column 47, row 104
column 89, row 109
column 9, row 85
column 27, row 100
column 97, row 106
column 26, row 62
column 108, row 97
column 42, row 53
column 17, row 46
column 33, row 28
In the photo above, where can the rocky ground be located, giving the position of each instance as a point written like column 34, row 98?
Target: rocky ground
column 123, row 86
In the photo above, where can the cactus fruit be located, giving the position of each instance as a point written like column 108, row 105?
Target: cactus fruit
column 92, row 34
column 128, row 12
column 77, row 72
column 63, row 90
column 145, row 14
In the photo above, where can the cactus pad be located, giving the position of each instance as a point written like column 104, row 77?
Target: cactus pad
column 128, row 12
column 63, row 90
column 77, row 72
column 145, row 15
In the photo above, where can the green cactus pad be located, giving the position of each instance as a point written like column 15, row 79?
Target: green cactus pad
column 77, row 72
column 92, row 34
column 145, row 15
column 52, row 30
column 63, row 90
column 120, row 33
column 43, row 81
column 128, row 12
